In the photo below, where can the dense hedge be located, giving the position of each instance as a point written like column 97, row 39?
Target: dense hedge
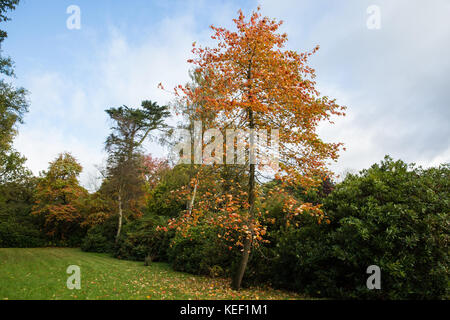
column 202, row 252
column 394, row 217
column 100, row 238
column 18, row 228
column 141, row 239
column 390, row 216
column 19, row 235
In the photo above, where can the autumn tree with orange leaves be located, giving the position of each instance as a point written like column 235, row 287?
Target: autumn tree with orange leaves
column 249, row 81
column 58, row 193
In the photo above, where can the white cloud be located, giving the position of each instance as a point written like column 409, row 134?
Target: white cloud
column 67, row 113
column 392, row 80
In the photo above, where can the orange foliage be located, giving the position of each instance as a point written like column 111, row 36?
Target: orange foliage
column 249, row 80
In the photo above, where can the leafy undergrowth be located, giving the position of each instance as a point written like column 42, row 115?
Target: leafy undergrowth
column 40, row 273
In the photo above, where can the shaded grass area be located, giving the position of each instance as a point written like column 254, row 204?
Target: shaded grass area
column 40, row 273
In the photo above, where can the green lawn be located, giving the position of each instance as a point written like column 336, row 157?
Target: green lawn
column 40, row 273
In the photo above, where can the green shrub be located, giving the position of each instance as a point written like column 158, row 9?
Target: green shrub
column 100, row 238
column 140, row 239
column 397, row 218
column 292, row 259
column 18, row 228
column 202, row 252
column 392, row 216
column 19, row 235
column 161, row 200
column 96, row 242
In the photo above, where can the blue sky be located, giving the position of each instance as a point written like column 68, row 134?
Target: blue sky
column 394, row 80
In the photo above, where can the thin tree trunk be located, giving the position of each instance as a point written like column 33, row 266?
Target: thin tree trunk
column 237, row 280
column 191, row 204
column 119, row 227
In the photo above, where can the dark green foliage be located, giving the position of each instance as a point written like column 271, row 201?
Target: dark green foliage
column 391, row 216
column 95, row 241
column 162, row 200
column 141, row 238
column 19, row 235
column 396, row 218
column 100, row 238
column 5, row 6
column 132, row 126
column 12, row 168
column 13, row 103
column 290, row 259
column 18, row 228
column 6, row 64
column 13, row 106
column 202, row 252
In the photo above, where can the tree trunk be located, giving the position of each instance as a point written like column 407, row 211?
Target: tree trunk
column 119, row 227
column 191, row 204
column 237, row 280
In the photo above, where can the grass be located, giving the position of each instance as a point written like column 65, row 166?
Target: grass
column 40, row 273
